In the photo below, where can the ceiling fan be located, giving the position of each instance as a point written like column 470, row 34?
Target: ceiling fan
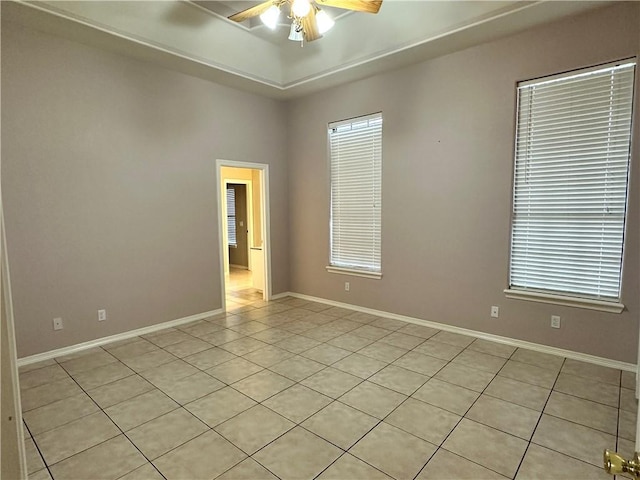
column 309, row 22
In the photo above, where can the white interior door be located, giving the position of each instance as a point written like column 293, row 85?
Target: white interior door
column 12, row 453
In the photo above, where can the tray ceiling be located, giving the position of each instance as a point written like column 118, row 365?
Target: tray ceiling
column 195, row 37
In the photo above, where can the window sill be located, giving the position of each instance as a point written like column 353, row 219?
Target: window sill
column 602, row 306
column 354, row 272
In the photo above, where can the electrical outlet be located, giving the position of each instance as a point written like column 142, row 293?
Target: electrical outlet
column 346, row 286
column 555, row 321
column 495, row 311
column 57, row 324
column 102, row 315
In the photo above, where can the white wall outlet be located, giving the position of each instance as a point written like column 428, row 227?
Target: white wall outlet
column 555, row 321
column 102, row 315
column 346, row 286
column 57, row 324
column 495, row 311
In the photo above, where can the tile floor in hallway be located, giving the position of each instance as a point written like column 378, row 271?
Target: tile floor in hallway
column 298, row 390
column 239, row 289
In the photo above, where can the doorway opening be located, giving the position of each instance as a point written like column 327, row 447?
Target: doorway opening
column 244, row 233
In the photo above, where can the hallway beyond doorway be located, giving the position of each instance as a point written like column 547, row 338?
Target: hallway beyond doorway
column 255, row 281
column 239, row 289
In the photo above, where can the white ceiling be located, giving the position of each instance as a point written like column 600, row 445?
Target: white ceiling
column 195, row 37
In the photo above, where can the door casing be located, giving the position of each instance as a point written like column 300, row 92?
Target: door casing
column 265, row 223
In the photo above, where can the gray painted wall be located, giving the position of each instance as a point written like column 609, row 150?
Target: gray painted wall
column 109, row 187
column 448, row 141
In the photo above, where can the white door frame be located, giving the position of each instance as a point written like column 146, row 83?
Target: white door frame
column 249, row 225
column 13, row 408
column 265, row 223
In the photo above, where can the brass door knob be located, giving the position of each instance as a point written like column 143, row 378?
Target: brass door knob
column 615, row 464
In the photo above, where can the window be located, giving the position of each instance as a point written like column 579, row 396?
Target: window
column 356, row 195
column 231, row 216
column 572, row 152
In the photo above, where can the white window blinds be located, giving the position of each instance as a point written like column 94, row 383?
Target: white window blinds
column 231, row 216
column 570, row 189
column 356, row 192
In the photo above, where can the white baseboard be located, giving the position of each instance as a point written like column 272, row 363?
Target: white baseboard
column 606, row 362
column 584, row 357
column 114, row 338
column 278, row 296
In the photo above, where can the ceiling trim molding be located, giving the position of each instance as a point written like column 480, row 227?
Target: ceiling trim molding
column 240, row 25
column 149, row 43
column 411, row 45
column 275, row 80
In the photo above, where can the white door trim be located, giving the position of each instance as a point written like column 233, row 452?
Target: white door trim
column 265, row 224
column 9, row 330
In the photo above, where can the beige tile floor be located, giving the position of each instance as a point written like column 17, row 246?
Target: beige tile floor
column 240, row 292
column 298, row 390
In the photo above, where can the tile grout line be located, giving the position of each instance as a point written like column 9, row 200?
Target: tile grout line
column 296, row 424
column 44, row 462
column 119, row 360
column 407, row 398
column 551, row 390
column 325, row 366
column 450, row 361
column 92, row 446
column 540, row 419
column 299, row 424
column 344, row 452
column 465, row 413
column 181, row 406
column 234, row 416
column 135, row 396
column 118, row 427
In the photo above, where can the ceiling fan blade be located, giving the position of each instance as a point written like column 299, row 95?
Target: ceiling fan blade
column 251, row 12
column 369, row 6
column 310, row 26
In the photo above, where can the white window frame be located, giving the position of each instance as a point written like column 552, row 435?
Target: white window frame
column 533, row 203
column 364, row 137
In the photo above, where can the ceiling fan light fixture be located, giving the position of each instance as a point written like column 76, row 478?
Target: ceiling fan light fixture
column 300, row 8
column 270, row 17
column 295, row 33
column 324, row 22
column 309, row 22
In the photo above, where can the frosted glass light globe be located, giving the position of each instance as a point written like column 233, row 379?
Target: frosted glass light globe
column 324, row 22
column 300, row 8
column 270, row 17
